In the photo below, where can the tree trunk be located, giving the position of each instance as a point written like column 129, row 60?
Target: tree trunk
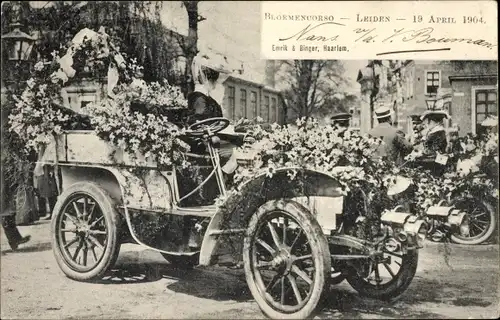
column 192, row 40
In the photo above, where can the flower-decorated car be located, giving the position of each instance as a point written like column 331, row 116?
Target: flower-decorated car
column 307, row 209
column 460, row 203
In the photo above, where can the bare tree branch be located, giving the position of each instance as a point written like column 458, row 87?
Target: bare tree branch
column 311, row 85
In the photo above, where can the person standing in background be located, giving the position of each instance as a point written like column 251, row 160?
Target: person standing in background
column 8, row 216
column 7, row 213
column 395, row 146
column 47, row 190
column 341, row 120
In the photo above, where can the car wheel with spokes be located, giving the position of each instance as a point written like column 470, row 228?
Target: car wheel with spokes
column 286, row 260
column 387, row 278
column 85, row 232
column 481, row 222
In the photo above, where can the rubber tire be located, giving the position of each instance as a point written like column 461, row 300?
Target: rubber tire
column 322, row 252
column 112, row 217
column 488, row 234
column 391, row 291
column 182, row 262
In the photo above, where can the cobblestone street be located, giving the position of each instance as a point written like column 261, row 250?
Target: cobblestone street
column 145, row 286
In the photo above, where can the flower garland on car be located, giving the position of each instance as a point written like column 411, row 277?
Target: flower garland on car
column 307, row 145
column 148, row 130
column 468, row 156
column 38, row 113
column 346, row 155
column 135, row 116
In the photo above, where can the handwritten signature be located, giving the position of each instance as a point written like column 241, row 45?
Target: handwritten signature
column 305, row 34
column 329, row 32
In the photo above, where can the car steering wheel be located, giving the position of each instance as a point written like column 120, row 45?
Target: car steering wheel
column 213, row 124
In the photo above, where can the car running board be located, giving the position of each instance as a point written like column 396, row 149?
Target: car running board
column 204, row 211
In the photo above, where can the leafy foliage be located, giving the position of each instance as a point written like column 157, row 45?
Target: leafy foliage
column 470, row 171
column 38, row 113
column 134, row 25
column 149, row 132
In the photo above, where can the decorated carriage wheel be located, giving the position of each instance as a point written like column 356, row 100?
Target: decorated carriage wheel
column 386, row 279
column 286, row 260
column 482, row 221
column 85, row 232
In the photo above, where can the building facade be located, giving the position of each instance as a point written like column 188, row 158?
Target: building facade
column 242, row 98
column 475, row 97
column 247, row 99
column 471, row 87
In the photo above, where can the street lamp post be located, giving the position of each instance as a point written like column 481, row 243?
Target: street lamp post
column 16, row 48
column 18, row 43
column 431, row 104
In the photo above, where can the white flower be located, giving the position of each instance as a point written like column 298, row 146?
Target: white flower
column 39, row 66
column 464, row 167
column 291, row 174
column 59, row 76
column 31, row 83
column 55, row 55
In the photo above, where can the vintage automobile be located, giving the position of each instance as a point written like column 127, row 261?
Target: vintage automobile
column 289, row 240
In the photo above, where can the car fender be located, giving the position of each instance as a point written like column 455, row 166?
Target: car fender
column 231, row 219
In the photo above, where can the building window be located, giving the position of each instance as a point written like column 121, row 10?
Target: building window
column 432, row 82
column 232, row 105
column 486, row 105
column 253, row 105
column 265, row 112
column 273, row 111
column 243, row 102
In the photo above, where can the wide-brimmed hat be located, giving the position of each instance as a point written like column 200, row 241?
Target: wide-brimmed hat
column 341, row 116
column 382, row 112
column 439, row 114
column 213, row 61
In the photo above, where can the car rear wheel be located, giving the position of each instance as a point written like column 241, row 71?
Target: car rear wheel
column 85, row 232
column 387, row 279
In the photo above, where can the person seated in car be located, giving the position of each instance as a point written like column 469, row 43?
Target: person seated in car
column 205, row 102
column 435, row 142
